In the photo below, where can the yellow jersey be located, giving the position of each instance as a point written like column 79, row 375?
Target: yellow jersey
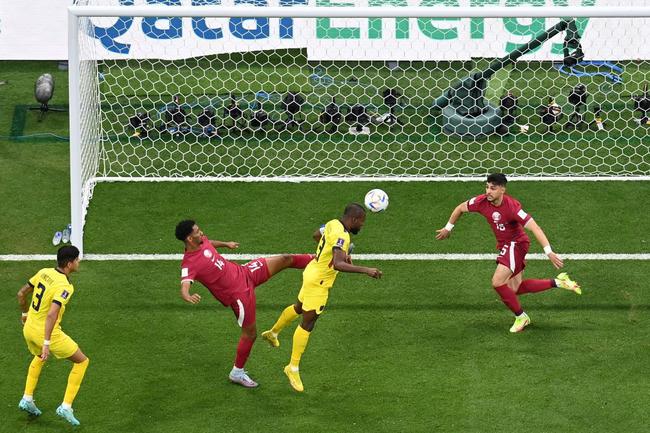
column 50, row 285
column 320, row 271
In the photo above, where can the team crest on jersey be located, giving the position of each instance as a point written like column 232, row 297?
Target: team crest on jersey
column 207, row 253
column 65, row 294
column 496, row 216
column 340, row 242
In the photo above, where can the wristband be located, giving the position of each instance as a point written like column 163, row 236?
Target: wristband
column 449, row 227
column 548, row 250
column 24, row 314
column 46, row 342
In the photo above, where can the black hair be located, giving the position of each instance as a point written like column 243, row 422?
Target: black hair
column 184, row 229
column 498, row 179
column 66, row 254
column 354, row 210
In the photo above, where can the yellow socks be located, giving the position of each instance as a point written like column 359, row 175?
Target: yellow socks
column 300, row 339
column 288, row 315
column 33, row 374
column 74, row 381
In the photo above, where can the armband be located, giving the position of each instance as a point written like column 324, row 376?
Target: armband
column 449, row 227
column 24, row 314
column 46, row 342
column 548, row 250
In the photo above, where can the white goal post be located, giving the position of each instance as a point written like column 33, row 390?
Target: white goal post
column 191, row 91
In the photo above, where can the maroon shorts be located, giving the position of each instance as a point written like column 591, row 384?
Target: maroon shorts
column 513, row 256
column 244, row 305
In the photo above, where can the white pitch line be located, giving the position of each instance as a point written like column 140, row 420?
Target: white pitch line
column 396, row 257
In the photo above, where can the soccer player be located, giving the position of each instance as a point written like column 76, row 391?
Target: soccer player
column 507, row 220
column 42, row 330
column 231, row 284
column 317, row 280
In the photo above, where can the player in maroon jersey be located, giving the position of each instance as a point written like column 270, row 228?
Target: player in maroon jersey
column 508, row 220
column 231, row 284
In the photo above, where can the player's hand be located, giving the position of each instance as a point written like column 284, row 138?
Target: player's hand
column 232, row 245
column 374, row 273
column 194, row 298
column 442, row 234
column 45, row 352
column 556, row 260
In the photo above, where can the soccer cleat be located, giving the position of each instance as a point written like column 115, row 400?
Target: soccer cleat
column 67, row 232
column 271, row 338
column 29, row 407
column 56, row 240
column 520, row 323
column 242, row 379
column 294, row 378
column 67, row 414
column 563, row 281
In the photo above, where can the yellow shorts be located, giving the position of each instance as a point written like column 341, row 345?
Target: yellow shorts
column 313, row 296
column 61, row 345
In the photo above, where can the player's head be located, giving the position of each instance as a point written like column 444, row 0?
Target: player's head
column 188, row 232
column 354, row 216
column 495, row 187
column 67, row 257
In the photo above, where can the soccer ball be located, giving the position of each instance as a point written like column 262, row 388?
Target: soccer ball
column 376, row 200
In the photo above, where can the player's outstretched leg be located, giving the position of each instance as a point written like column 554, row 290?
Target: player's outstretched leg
column 284, row 261
column 67, row 414
column 521, row 321
column 29, row 406
column 565, row 282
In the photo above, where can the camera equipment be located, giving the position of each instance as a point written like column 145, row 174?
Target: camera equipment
column 391, row 99
column 43, row 92
column 234, row 113
column 599, row 118
column 509, row 108
column 207, row 121
column 578, row 98
column 358, row 119
column 292, row 103
column 140, row 124
column 175, row 118
column 551, row 113
column 331, row 116
column 642, row 105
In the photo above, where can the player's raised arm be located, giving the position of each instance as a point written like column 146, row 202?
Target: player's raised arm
column 341, row 263
column 192, row 298
column 543, row 241
column 230, row 244
column 444, row 232
column 22, row 300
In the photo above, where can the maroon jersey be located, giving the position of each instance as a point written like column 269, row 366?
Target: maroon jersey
column 507, row 220
column 225, row 280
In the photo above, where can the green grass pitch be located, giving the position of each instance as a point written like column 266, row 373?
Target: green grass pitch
column 425, row 349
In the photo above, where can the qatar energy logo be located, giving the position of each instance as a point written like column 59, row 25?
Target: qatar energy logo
column 118, row 37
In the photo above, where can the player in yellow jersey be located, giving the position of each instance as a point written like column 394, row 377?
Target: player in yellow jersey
column 43, row 333
column 332, row 256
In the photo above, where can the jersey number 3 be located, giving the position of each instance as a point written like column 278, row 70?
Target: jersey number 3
column 38, row 297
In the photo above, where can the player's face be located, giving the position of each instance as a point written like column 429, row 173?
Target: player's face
column 494, row 192
column 196, row 235
column 74, row 265
column 357, row 224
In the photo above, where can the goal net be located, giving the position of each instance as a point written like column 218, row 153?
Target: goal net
column 218, row 90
